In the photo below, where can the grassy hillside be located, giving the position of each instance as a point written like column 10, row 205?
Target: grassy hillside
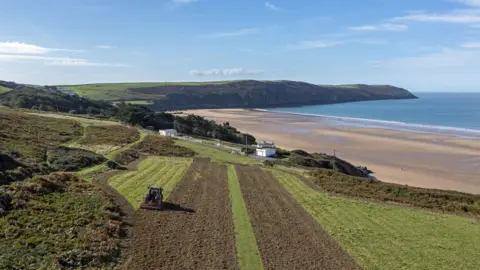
column 52, row 100
column 28, row 136
column 389, row 237
column 245, row 93
column 58, row 222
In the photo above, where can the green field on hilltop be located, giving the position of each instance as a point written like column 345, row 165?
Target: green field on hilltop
column 381, row 236
column 115, row 91
column 165, row 172
column 4, row 89
column 137, row 102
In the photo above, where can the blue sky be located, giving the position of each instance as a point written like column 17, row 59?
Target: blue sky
column 427, row 45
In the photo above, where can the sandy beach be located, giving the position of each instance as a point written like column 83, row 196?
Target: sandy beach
column 416, row 159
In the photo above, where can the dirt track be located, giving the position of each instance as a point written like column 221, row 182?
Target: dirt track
column 126, row 209
column 287, row 236
column 196, row 229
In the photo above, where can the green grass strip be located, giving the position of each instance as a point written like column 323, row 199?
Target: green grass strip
column 247, row 250
column 381, row 236
column 165, row 172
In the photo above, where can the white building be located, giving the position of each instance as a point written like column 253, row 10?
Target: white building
column 266, row 149
column 168, row 132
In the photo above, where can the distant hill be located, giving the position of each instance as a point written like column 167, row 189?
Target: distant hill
column 239, row 94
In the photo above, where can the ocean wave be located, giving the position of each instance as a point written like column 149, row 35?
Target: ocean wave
column 393, row 125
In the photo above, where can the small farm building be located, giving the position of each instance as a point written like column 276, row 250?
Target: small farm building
column 168, row 132
column 266, row 149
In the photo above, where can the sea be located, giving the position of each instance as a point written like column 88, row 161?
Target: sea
column 453, row 114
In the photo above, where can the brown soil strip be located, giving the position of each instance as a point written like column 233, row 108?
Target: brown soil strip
column 287, row 236
column 195, row 231
column 126, row 210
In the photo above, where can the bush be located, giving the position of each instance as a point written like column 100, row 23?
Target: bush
column 248, row 150
column 162, row 146
column 71, row 159
column 127, row 156
column 58, row 221
column 115, row 166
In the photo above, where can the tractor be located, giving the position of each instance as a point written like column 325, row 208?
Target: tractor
column 153, row 199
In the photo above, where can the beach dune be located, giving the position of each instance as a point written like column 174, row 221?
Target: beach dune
column 415, row 159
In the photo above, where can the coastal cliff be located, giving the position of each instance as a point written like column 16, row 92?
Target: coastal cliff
column 263, row 94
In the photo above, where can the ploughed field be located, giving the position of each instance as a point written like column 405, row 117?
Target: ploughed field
column 232, row 216
column 195, row 230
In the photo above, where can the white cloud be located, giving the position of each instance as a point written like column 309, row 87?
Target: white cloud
column 106, row 47
column 241, row 32
column 52, row 60
column 23, row 58
column 311, row 44
column 82, row 63
column 271, row 6
column 380, row 27
column 474, row 3
column 174, row 4
column 24, row 48
column 183, row 1
column 226, row 72
column 471, row 45
column 457, row 16
column 369, row 41
column 446, row 58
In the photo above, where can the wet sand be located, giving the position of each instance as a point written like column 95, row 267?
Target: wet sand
column 416, row 159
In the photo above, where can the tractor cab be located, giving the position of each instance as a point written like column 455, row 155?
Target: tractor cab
column 153, row 199
column 155, row 190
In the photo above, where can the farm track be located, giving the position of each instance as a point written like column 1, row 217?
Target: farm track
column 287, row 236
column 195, row 231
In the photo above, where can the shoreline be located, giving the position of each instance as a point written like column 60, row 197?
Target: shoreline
column 467, row 133
column 442, row 161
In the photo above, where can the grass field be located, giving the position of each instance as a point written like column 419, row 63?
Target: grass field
column 114, row 91
column 4, row 89
column 216, row 154
column 389, row 237
column 247, row 251
column 137, row 102
column 83, row 120
column 156, row 171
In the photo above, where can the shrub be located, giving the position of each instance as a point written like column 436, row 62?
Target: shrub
column 127, row 156
column 162, row 146
column 71, row 159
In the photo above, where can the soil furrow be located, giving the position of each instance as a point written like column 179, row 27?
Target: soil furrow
column 195, row 231
column 287, row 236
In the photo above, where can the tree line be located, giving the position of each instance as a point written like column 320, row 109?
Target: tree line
column 189, row 125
